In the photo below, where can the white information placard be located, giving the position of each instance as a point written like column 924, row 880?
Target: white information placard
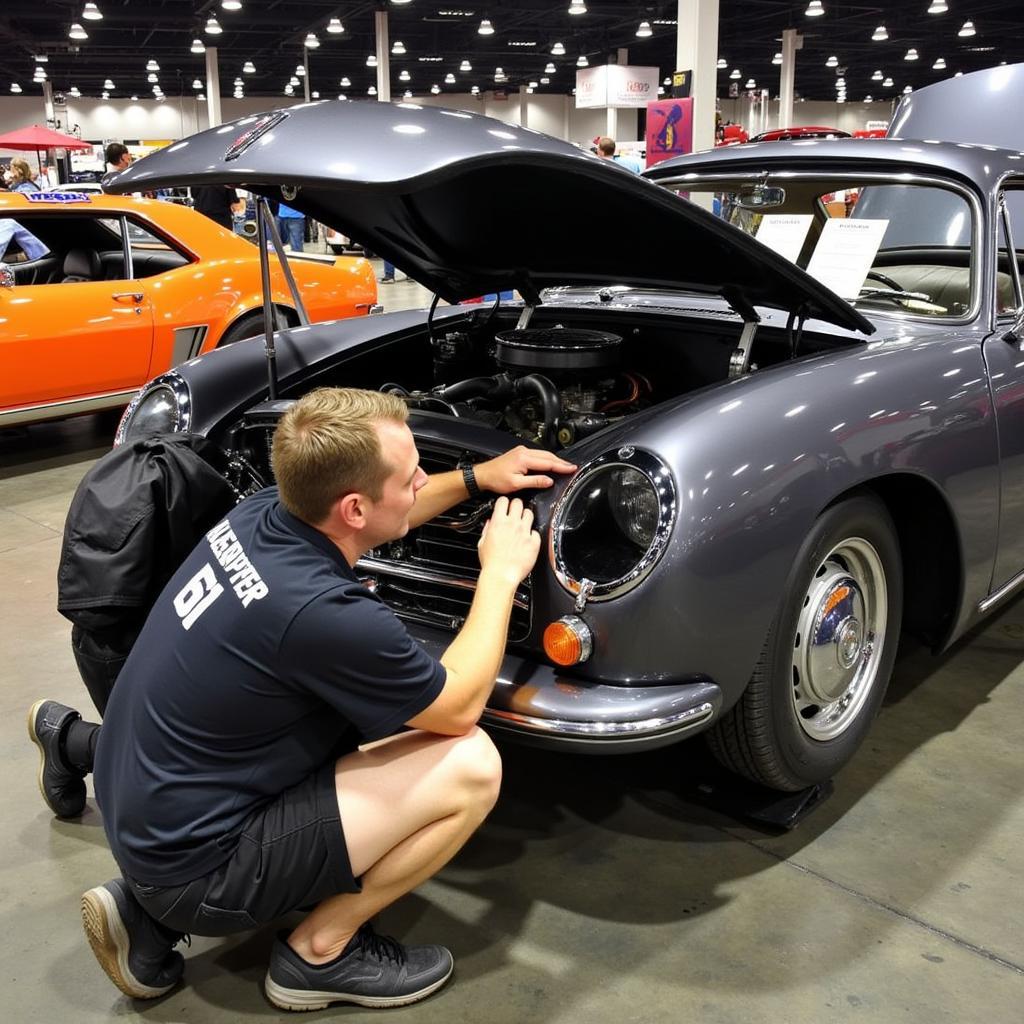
column 616, row 85
column 845, row 252
column 784, row 233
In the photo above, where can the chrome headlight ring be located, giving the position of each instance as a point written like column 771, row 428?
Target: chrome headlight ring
column 174, row 390
column 664, row 506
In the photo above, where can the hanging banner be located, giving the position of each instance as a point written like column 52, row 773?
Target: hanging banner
column 615, row 85
column 669, row 129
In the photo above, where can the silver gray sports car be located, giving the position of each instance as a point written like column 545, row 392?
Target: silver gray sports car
column 795, row 394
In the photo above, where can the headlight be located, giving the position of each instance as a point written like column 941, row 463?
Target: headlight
column 161, row 407
column 612, row 524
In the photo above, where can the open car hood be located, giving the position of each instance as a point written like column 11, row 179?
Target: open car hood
column 467, row 205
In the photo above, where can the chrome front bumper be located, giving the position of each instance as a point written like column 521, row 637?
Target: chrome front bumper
column 535, row 704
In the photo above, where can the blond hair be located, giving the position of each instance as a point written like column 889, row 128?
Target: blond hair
column 606, row 145
column 327, row 445
column 21, row 170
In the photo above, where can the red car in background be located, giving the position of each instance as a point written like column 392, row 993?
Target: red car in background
column 812, row 131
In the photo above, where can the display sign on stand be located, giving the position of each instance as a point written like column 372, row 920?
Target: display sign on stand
column 615, row 85
column 669, row 129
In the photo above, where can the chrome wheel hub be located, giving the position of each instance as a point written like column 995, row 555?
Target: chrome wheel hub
column 838, row 639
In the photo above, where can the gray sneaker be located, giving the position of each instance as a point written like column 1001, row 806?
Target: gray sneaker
column 136, row 951
column 373, row 970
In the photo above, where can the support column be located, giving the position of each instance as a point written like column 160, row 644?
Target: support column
column 791, row 42
column 524, row 106
column 380, row 22
column 305, row 77
column 697, row 51
column 213, row 87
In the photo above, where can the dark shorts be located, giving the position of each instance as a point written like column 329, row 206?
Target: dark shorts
column 291, row 853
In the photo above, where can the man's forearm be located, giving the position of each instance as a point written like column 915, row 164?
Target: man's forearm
column 474, row 657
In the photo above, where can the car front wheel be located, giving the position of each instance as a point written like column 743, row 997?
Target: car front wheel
column 824, row 668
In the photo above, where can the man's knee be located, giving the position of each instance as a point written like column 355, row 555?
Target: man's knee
column 477, row 764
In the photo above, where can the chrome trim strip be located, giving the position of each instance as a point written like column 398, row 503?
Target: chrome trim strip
column 438, row 576
column 65, row 407
column 660, row 478
column 1004, row 591
column 598, row 732
column 882, row 177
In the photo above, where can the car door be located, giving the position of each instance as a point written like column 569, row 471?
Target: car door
column 66, row 341
column 1004, row 357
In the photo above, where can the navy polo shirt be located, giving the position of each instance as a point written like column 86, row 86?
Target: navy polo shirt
column 263, row 656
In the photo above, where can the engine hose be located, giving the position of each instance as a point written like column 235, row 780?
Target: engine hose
column 551, row 402
column 475, row 387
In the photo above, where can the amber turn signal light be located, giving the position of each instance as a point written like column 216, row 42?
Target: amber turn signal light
column 568, row 641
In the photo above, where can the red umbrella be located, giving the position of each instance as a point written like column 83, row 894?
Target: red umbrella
column 37, row 138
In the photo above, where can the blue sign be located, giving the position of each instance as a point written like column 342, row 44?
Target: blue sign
column 57, row 197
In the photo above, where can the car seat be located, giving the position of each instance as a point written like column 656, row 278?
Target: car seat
column 82, row 265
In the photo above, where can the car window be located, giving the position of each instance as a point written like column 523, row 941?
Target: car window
column 910, row 251
column 1006, row 299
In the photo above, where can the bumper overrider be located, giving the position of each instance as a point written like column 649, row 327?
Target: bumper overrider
column 537, row 704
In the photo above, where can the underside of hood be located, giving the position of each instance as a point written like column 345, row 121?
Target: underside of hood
column 468, row 205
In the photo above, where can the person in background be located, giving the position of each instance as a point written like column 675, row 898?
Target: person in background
column 388, row 276
column 12, row 231
column 218, row 202
column 117, row 157
column 606, row 151
column 291, row 226
column 21, row 176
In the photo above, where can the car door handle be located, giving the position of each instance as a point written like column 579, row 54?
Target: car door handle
column 121, row 296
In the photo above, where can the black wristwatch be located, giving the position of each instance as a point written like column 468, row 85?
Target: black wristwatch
column 469, row 478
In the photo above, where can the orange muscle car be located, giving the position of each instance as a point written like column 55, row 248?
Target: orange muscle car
column 98, row 294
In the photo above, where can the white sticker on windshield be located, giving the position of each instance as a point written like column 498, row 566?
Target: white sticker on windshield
column 784, row 233
column 845, row 252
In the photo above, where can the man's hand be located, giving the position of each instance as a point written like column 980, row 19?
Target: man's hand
column 518, row 468
column 509, row 545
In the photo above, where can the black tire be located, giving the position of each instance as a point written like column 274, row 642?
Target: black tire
column 248, row 326
column 791, row 728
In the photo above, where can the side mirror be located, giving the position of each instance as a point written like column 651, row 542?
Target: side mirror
column 759, row 197
column 6, row 276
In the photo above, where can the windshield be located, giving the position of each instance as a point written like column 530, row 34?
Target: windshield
column 883, row 246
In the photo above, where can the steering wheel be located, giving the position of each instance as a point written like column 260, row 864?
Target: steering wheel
column 877, row 275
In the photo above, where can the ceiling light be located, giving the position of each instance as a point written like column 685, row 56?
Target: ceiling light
column 465, row 66
column 814, row 9
column 237, row 83
column 667, row 80
column 545, row 80
column 967, row 30
column 959, row 74
column 644, row 31
column 213, row 27
column 311, row 42
column 151, row 65
column 879, row 35
column 577, row 7
column 840, row 83
column 74, row 90
column 315, row 95
column 196, row 83
column 77, row 32
column 372, row 91
column 15, row 87
column 238, row 94
column 41, row 58
column 335, row 27
column 197, row 46
column 39, row 76
column 398, row 48
column 777, row 59
column 533, row 85
column 907, row 90
column 530, row 89
column 403, row 75
column 475, row 90
column 549, row 68
column 346, row 83
column 293, row 81
column 735, row 73
column 105, row 95
column 888, row 83
column 300, row 69
column 289, row 90
column 151, row 77
column 938, row 7
column 940, row 64
column 231, row 5
column 499, row 74
column 486, row 28
column 877, row 76
column 108, row 84
column 869, row 99
column 91, row 12
column 582, row 62
column 832, row 62
column 661, row 90
column 751, row 84
column 342, row 96
column 435, row 88
column 911, row 54
column 449, row 79
column 407, row 95
column 722, row 64
column 135, row 99
column 558, row 50
column 371, row 61
column 248, row 68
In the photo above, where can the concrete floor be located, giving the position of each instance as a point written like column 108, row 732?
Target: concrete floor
column 597, row 891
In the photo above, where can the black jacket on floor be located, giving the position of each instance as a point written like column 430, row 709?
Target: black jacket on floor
column 135, row 516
